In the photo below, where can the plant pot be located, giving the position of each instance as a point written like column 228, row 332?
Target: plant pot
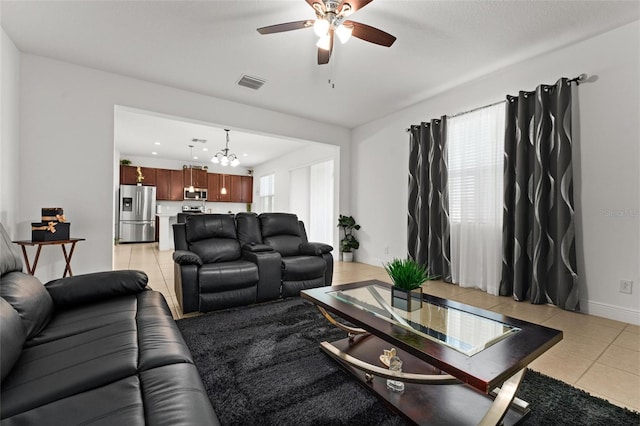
column 347, row 256
column 407, row 300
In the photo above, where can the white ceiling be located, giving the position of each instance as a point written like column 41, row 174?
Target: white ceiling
column 143, row 134
column 206, row 46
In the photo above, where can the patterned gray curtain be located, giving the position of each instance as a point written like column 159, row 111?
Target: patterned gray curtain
column 428, row 218
column 539, row 254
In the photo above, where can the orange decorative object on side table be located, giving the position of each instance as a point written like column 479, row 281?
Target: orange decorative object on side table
column 67, row 257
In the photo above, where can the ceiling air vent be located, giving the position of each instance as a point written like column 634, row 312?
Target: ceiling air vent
column 251, row 82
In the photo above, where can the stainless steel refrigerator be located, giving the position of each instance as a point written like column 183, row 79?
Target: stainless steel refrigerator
column 137, row 220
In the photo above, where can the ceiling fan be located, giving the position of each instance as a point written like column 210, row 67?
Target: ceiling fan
column 331, row 19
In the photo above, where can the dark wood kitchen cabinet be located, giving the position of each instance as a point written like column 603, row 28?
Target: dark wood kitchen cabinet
column 239, row 188
column 246, row 192
column 129, row 175
column 216, row 182
column 169, row 184
column 177, row 186
column 199, row 177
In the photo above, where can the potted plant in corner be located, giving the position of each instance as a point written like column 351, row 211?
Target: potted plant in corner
column 349, row 242
column 407, row 276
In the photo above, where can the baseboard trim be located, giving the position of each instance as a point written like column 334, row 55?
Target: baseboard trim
column 632, row 316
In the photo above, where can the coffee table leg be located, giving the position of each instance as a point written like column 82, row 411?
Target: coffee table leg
column 351, row 330
column 503, row 400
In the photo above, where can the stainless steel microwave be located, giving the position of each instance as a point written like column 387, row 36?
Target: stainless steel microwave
column 196, row 194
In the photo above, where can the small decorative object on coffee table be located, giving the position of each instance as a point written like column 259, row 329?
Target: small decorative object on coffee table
column 387, row 355
column 407, row 276
column 395, row 364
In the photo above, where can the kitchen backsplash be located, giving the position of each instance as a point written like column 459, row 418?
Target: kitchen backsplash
column 172, row 208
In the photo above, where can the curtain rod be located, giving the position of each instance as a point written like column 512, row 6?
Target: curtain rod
column 577, row 80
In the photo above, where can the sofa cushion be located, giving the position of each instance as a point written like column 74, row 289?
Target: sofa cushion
column 216, row 249
column 224, row 276
column 248, row 227
column 81, row 319
column 203, row 227
column 12, row 337
column 118, row 403
column 60, row 368
column 89, row 288
column 27, row 296
column 299, row 268
column 10, row 260
column 279, row 224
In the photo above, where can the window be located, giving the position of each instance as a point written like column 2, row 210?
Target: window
column 475, row 144
column 267, row 192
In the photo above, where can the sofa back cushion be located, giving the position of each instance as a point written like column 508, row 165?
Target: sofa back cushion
column 9, row 255
column 213, row 237
column 29, row 298
column 248, row 227
column 282, row 232
column 12, row 337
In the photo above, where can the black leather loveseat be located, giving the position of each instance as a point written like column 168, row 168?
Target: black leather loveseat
column 97, row 349
column 223, row 260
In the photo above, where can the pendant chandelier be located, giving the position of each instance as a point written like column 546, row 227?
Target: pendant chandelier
column 224, row 158
column 191, row 188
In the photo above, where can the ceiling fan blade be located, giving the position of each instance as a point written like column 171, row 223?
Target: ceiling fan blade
column 371, row 34
column 355, row 4
column 289, row 26
column 325, row 55
column 320, row 2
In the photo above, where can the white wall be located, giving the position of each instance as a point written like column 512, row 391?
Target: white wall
column 281, row 167
column 9, row 132
column 66, row 146
column 606, row 153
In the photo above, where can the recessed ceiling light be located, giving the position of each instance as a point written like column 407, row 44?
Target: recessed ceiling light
column 156, row 143
column 195, row 157
column 154, row 153
column 245, row 155
column 205, row 149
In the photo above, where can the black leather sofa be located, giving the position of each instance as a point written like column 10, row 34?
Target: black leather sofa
column 223, row 261
column 97, row 349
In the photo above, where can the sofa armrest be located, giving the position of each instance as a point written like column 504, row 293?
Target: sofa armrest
column 314, row 249
column 88, row 288
column 256, row 248
column 183, row 257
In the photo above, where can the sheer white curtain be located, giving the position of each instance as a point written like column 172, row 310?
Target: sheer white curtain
column 311, row 198
column 475, row 143
column 321, row 202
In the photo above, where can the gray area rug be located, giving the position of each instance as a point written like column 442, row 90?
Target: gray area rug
column 261, row 365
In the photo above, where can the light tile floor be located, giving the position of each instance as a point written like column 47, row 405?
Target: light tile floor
column 598, row 355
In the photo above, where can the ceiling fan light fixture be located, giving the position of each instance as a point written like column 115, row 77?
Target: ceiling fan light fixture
column 325, row 42
column 321, row 27
column 344, row 33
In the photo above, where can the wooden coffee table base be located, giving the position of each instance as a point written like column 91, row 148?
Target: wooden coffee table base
column 448, row 404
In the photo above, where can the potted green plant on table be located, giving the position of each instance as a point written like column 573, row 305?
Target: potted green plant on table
column 349, row 242
column 407, row 276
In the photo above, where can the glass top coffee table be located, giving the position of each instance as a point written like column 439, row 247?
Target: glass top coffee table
column 482, row 354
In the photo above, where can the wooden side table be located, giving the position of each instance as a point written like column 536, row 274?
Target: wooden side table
column 67, row 257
